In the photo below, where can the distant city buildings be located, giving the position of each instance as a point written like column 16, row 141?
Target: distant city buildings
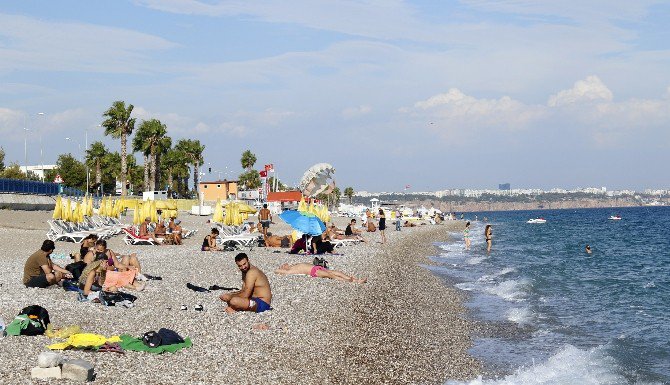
column 505, row 190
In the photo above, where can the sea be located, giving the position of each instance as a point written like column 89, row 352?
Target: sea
column 556, row 314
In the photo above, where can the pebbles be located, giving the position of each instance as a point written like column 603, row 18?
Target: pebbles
column 403, row 326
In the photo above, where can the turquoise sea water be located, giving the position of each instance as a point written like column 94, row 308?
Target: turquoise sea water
column 575, row 318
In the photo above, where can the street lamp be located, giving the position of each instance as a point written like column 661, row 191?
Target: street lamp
column 78, row 145
column 41, row 150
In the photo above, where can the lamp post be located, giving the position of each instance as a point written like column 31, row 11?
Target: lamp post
column 41, row 150
column 25, row 143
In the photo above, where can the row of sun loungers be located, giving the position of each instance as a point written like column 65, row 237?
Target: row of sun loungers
column 75, row 232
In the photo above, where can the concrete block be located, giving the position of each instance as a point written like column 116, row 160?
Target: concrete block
column 49, row 359
column 78, row 370
column 38, row 372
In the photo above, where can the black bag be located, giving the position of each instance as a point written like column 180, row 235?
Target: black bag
column 320, row 262
column 39, row 318
column 285, row 242
column 163, row 337
column 76, row 268
column 108, row 298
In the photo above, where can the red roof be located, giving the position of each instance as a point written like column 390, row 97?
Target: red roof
column 284, row 196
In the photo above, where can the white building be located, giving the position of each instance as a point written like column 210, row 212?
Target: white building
column 38, row 170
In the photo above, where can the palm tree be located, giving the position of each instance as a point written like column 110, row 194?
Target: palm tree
column 141, row 144
column 349, row 193
column 174, row 162
column 192, row 150
column 162, row 147
column 94, row 158
column 119, row 124
column 248, row 160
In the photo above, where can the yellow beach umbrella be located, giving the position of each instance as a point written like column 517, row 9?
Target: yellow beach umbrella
column 154, row 212
column 136, row 215
column 67, row 211
column 78, row 213
column 218, row 212
column 302, row 206
column 109, row 207
column 58, row 209
column 101, row 209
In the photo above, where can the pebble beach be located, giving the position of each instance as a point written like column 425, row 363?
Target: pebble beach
column 404, row 326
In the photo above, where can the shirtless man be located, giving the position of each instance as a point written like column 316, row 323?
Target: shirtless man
column 255, row 295
column 144, row 231
column 265, row 217
column 317, row 272
column 277, row 241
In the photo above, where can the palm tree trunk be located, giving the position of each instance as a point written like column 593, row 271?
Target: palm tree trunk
column 98, row 172
column 157, row 180
column 124, row 163
column 169, row 180
column 152, row 179
column 196, row 178
column 146, row 172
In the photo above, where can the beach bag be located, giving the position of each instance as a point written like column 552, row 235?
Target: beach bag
column 320, row 262
column 163, row 337
column 76, row 268
column 39, row 320
column 285, row 242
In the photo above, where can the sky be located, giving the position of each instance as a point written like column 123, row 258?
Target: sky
column 433, row 94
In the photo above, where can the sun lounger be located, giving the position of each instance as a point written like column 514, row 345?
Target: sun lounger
column 133, row 239
column 58, row 233
column 344, row 242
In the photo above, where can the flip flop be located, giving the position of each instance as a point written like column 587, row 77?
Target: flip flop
column 183, row 307
column 217, row 287
column 198, row 308
column 111, row 348
column 153, row 277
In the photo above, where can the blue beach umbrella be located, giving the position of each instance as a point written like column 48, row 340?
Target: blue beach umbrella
column 304, row 222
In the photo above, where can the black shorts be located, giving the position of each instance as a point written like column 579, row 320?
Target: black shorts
column 266, row 224
column 39, row 281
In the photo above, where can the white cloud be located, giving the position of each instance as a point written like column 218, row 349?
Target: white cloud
column 353, row 112
column 588, row 90
column 32, row 44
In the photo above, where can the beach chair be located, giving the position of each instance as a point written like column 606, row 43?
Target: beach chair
column 59, row 233
column 344, row 242
column 133, row 239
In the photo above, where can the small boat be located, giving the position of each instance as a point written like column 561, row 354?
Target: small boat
column 615, row 218
column 537, row 220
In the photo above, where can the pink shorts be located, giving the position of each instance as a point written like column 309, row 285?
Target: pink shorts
column 312, row 273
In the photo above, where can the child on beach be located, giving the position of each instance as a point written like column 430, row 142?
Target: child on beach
column 466, row 236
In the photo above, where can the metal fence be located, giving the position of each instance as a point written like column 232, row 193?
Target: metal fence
column 36, row 188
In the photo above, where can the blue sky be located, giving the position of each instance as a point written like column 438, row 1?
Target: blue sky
column 435, row 94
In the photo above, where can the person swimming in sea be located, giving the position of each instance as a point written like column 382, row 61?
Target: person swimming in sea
column 588, row 249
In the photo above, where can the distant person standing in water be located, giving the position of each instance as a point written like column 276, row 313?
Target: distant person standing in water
column 466, row 236
column 488, row 233
column 382, row 225
column 588, row 249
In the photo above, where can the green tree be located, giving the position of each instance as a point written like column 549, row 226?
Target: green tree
column 13, row 171
column 349, row 193
column 174, row 163
column 148, row 137
column 72, row 171
column 95, row 155
column 111, row 167
column 192, row 150
column 248, row 160
column 162, row 147
column 141, row 144
column 119, row 124
column 335, row 196
column 2, row 159
column 250, row 180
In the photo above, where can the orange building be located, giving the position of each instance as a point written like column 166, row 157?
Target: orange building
column 220, row 189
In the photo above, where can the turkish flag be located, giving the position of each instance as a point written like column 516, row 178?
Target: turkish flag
column 263, row 173
column 269, row 167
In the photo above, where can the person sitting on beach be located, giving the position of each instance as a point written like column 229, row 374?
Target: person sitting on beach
column 160, row 230
column 255, row 295
column 177, row 231
column 97, row 276
column 39, row 271
column 209, row 243
column 144, row 231
column 320, row 246
column 87, row 244
column 317, row 272
column 351, row 229
column 299, row 245
column 114, row 261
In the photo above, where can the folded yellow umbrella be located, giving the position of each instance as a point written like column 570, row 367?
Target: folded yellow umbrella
column 58, row 209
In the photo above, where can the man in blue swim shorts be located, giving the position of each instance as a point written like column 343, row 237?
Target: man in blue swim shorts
column 255, row 294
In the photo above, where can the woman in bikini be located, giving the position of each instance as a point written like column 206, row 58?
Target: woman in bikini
column 488, row 234
column 317, row 272
column 466, row 236
column 114, row 261
column 382, row 225
column 209, row 243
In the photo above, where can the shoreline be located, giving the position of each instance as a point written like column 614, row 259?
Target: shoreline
column 403, row 326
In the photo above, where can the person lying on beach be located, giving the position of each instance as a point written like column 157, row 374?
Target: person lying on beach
column 115, row 261
column 209, row 243
column 144, row 231
column 39, row 271
column 97, row 276
column 255, row 294
column 409, row 224
column 332, row 234
column 277, row 241
column 317, row 272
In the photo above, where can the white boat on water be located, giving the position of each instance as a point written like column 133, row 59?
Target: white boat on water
column 537, row 220
column 615, row 218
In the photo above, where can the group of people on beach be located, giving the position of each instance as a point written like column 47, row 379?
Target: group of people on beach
column 95, row 268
